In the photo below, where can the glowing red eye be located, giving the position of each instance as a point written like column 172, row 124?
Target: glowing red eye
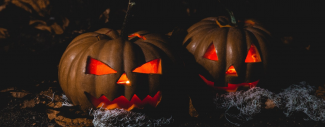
column 151, row 67
column 98, row 68
column 211, row 53
column 253, row 55
column 231, row 71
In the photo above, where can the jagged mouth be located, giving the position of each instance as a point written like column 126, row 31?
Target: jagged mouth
column 123, row 103
column 231, row 87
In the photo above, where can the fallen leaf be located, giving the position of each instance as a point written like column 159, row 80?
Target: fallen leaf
column 3, row 33
column 269, row 104
column 41, row 7
column 19, row 94
column 192, row 110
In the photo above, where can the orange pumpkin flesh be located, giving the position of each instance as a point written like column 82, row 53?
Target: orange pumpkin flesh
column 123, row 103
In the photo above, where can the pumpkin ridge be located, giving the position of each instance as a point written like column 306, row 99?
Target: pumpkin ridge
column 260, row 43
column 190, row 35
column 72, row 46
column 109, row 49
column 250, row 38
column 259, row 31
column 86, row 54
column 201, row 23
column 259, row 27
column 82, row 55
column 220, row 42
column 153, row 49
column 67, row 54
column 143, row 50
column 159, row 45
column 81, row 41
column 71, row 78
column 210, row 31
column 205, row 39
column 82, row 36
column 200, row 29
column 260, row 39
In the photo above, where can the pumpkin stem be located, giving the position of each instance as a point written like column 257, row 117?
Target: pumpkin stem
column 124, row 33
column 233, row 20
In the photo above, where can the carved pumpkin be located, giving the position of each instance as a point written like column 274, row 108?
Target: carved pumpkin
column 101, row 69
column 231, row 57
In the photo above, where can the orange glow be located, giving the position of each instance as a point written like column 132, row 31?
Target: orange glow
column 230, row 87
column 218, row 23
column 151, row 67
column 250, row 22
column 234, row 87
column 210, row 83
column 253, row 55
column 211, row 53
column 123, row 103
column 231, row 71
column 138, row 35
column 124, row 80
column 98, row 68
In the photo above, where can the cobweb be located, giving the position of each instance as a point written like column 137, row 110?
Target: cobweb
column 123, row 118
column 296, row 98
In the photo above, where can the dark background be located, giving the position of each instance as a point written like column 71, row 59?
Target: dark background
column 30, row 55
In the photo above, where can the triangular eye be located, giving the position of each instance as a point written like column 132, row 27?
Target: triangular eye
column 231, row 71
column 98, row 68
column 151, row 67
column 253, row 55
column 211, row 53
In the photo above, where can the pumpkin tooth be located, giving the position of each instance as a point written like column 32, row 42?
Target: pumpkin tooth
column 124, row 103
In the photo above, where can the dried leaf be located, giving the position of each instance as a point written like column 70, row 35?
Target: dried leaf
column 192, row 110
column 52, row 114
column 105, row 15
column 4, row 5
column 39, row 6
column 42, row 25
column 8, row 89
column 3, row 33
column 19, row 94
column 269, row 104
column 75, row 122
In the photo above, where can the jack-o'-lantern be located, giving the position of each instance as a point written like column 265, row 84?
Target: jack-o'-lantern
column 232, row 56
column 102, row 69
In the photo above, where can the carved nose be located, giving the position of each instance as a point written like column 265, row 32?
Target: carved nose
column 124, row 80
column 231, row 71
